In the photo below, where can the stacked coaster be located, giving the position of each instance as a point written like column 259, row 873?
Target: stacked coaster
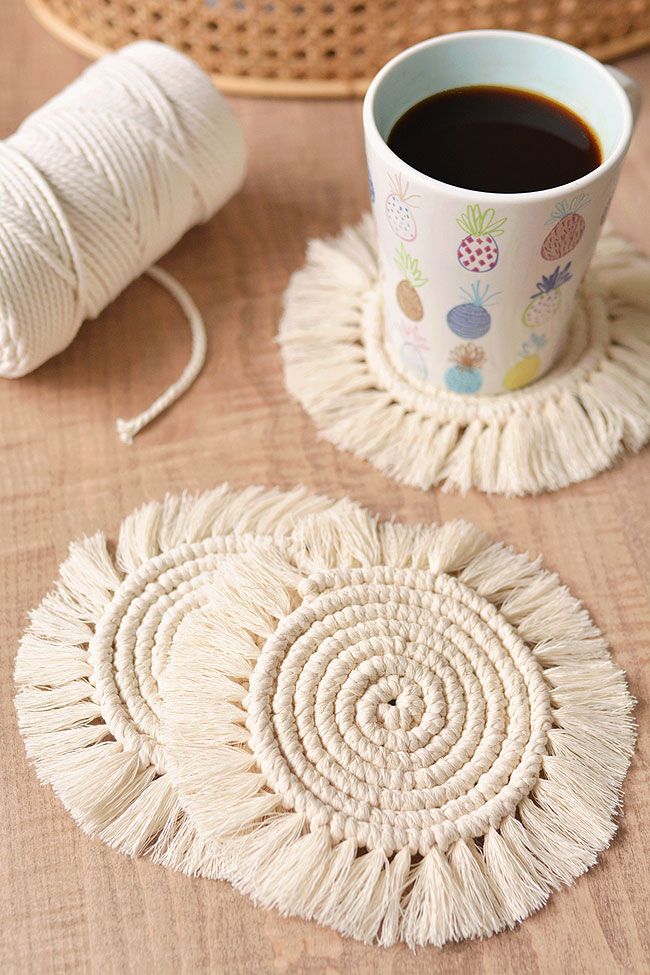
column 564, row 428
column 90, row 662
column 409, row 733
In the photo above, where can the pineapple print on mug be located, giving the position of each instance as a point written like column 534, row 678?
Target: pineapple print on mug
column 407, row 296
column 465, row 375
column 411, row 352
column 545, row 303
column 471, row 319
column 399, row 209
column 528, row 367
column 479, row 251
column 567, row 230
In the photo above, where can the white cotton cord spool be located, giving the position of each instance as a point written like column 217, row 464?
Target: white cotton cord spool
column 99, row 183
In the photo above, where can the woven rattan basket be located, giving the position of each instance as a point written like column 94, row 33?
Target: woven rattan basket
column 321, row 48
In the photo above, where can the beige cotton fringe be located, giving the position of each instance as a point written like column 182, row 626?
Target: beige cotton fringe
column 565, row 428
column 89, row 664
column 408, row 733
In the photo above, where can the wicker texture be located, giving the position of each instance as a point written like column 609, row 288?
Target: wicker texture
column 328, row 47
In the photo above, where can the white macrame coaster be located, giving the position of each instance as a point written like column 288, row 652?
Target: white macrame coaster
column 90, row 661
column 564, row 428
column 408, row 733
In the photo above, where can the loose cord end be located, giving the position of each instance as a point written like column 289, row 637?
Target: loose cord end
column 128, row 429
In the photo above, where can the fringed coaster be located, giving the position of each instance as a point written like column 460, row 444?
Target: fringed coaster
column 408, row 733
column 564, row 428
column 90, row 662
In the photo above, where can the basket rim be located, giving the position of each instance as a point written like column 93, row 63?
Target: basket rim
column 259, row 87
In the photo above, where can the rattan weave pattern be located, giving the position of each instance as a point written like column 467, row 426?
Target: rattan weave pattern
column 328, row 47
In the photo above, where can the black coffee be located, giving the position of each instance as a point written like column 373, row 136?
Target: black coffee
column 499, row 140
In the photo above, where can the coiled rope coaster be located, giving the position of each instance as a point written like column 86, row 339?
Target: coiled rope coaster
column 565, row 428
column 405, row 732
column 90, row 662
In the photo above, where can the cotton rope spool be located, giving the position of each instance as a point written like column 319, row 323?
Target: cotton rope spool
column 98, row 184
column 409, row 733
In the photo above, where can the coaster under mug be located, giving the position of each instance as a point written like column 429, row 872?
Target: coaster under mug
column 568, row 426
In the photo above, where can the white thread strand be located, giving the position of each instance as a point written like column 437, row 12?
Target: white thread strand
column 95, row 186
column 128, row 429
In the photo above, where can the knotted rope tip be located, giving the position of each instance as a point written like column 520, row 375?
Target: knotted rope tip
column 125, row 431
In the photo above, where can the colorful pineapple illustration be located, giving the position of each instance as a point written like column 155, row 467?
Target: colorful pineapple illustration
column 569, row 226
column 479, row 251
column 465, row 375
column 399, row 205
column 471, row 319
column 411, row 352
column 407, row 297
column 546, row 301
column 527, row 369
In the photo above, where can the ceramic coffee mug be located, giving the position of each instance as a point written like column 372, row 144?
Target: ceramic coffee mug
column 478, row 288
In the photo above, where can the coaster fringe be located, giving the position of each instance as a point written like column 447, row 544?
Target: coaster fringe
column 565, row 428
column 122, row 794
column 468, row 888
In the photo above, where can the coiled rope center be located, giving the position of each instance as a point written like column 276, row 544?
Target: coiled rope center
column 132, row 642
column 398, row 708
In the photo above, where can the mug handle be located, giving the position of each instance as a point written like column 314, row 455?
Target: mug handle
column 631, row 89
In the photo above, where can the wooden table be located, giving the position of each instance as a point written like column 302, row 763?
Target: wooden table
column 71, row 905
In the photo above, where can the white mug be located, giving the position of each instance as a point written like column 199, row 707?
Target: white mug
column 478, row 288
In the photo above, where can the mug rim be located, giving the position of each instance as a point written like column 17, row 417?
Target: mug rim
column 379, row 143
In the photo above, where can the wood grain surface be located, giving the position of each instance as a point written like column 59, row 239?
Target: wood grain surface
column 68, row 903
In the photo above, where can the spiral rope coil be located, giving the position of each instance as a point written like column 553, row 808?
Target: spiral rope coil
column 404, row 732
column 409, row 733
column 400, row 708
column 91, row 661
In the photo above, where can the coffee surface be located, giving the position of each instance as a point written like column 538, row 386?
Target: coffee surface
column 494, row 139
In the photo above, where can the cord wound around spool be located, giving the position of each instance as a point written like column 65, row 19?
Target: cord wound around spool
column 99, row 183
